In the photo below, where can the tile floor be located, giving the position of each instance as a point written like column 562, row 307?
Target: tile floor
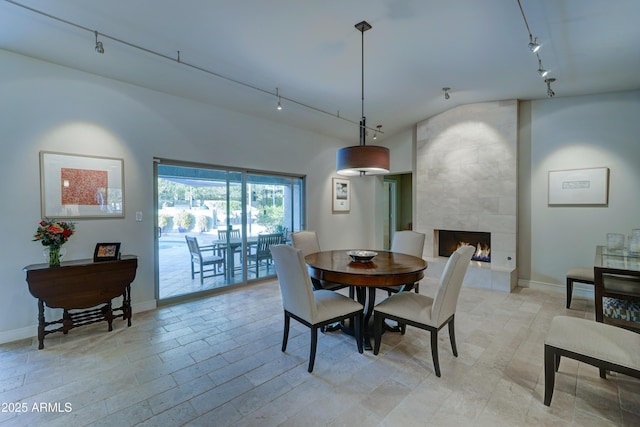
column 217, row 362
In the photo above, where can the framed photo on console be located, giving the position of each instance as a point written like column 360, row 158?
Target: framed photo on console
column 106, row 252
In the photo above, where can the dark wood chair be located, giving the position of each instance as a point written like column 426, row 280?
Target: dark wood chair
column 260, row 252
column 606, row 347
column 578, row 274
column 204, row 260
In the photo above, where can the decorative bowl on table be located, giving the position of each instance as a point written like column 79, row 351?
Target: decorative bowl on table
column 361, row 256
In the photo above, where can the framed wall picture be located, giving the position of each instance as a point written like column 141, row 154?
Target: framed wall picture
column 341, row 195
column 579, row 187
column 106, row 252
column 77, row 186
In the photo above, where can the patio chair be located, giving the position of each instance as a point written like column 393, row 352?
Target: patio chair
column 261, row 250
column 203, row 260
column 232, row 234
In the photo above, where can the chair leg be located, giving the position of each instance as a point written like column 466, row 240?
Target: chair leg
column 377, row 331
column 434, row 352
column 314, row 344
column 192, row 271
column 285, row 336
column 550, row 359
column 416, row 288
column 201, row 274
column 603, row 373
column 358, row 331
column 569, row 291
column 452, row 337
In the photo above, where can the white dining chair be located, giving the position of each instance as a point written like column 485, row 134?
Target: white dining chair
column 313, row 309
column 307, row 242
column 421, row 311
column 411, row 243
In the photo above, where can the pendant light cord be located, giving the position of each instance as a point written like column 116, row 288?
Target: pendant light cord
column 362, row 74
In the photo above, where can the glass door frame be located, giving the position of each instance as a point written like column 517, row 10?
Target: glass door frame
column 245, row 211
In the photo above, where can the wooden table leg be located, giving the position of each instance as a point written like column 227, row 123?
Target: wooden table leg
column 366, row 295
column 41, row 323
column 126, row 304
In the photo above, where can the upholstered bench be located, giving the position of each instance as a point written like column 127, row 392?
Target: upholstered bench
column 604, row 346
column 578, row 274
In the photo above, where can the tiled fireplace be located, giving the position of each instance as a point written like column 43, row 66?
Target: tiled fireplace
column 466, row 179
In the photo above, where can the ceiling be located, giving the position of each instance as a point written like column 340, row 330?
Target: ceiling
column 235, row 53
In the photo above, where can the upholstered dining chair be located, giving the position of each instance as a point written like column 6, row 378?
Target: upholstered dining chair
column 313, row 309
column 307, row 242
column 410, row 243
column 199, row 256
column 427, row 313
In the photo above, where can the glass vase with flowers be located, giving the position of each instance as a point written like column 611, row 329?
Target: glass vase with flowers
column 53, row 234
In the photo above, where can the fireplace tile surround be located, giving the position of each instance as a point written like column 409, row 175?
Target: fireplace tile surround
column 466, row 179
column 447, row 241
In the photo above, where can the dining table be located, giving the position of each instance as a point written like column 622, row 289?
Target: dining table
column 385, row 269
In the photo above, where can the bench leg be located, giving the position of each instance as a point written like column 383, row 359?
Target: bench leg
column 550, row 360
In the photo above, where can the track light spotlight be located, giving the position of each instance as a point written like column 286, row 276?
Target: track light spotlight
column 533, row 44
column 446, row 92
column 375, row 133
column 550, row 92
column 543, row 73
column 279, row 107
column 99, row 46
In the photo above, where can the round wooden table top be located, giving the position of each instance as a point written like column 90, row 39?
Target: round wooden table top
column 386, row 268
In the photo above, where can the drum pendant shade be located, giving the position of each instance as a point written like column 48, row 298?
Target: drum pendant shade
column 370, row 159
column 360, row 160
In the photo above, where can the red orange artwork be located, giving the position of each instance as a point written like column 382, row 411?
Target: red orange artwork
column 84, row 187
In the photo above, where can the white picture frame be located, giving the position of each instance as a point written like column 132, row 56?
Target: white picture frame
column 79, row 186
column 341, row 195
column 589, row 186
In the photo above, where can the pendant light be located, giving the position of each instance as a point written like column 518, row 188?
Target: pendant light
column 360, row 160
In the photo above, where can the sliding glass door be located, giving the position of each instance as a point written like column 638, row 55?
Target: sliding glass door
column 217, row 218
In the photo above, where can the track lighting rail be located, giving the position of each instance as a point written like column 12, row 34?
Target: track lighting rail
column 100, row 49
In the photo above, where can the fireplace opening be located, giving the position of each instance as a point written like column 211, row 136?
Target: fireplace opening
column 449, row 241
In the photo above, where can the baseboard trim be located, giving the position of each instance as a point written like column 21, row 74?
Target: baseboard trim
column 579, row 289
column 32, row 331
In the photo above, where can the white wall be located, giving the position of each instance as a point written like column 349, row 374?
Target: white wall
column 572, row 133
column 53, row 108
